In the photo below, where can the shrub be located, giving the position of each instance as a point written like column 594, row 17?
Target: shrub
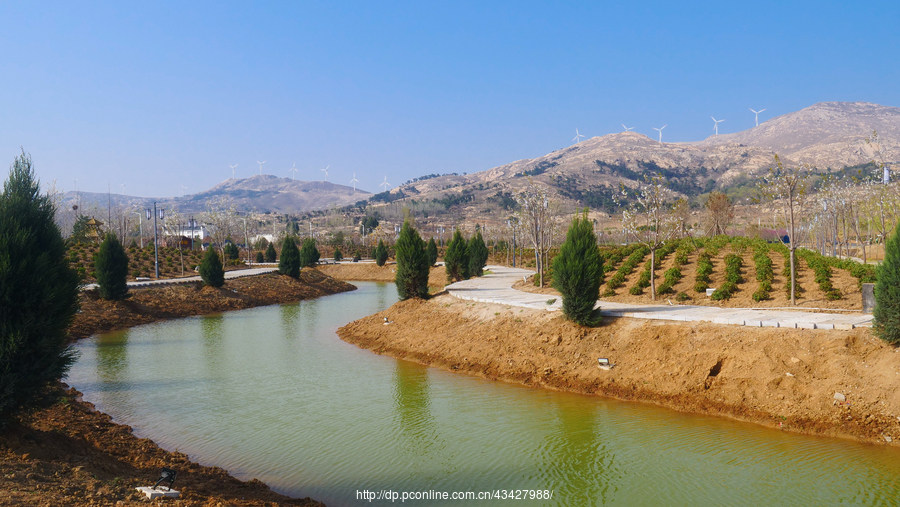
column 637, row 290
column 39, row 294
column 456, row 258
column 291, row 259
column 682, row 297
column 478, row 254
column 111, row 266
column 412, row 264
column 887, row 292
column 260, row 257
column 577, row 271
column 211, row 270
column 231, row 252
column 432, row 252
column 381, row 253
column 270, row 253
column 309, row 254
column 337, row 255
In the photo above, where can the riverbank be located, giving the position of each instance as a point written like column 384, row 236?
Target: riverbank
column 781, row 378
column 72, row 455
column 370, row 272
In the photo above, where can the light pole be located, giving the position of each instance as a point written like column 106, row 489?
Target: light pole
column 157, row 213
column 192, row 223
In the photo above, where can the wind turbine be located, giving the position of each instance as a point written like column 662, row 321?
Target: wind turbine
column 326, row 172
column 260, row 166
column 627, row 128
column 385, row 184
column 757, row 114
column 293, row 170
column 355, row 181
column 232, row 170
column 717, row 125
column 577, row 135
column 660, row 131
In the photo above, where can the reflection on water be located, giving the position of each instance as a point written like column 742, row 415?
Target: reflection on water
column 272, row 393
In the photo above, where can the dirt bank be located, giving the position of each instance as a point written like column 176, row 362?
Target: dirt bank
column 782, row 378
column 71, row 455
column 369, row 272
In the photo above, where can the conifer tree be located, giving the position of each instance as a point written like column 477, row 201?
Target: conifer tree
column 111, row 267
column 211, row 270
column 456, row 259
column 338, row 255
column 381, row 253
column 887, row 292
column 291, row 258
column 309, row 254
column 432, row 252
column 260, row 258
column 478, row 254
column 38, row 295
column 577, row 271
column 270, row 253
column 412, row 264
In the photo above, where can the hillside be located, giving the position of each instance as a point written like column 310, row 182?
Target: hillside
column 261, row 193
column 829, row 135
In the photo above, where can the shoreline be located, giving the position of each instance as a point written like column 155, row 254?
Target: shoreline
column 72, row 454
column 779, row 378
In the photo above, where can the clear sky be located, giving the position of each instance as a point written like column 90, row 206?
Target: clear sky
column 160, row 95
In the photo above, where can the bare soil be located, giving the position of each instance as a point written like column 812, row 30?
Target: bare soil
column 810, row 296
column 369, row 272
column 783, row 378
column 72, row 455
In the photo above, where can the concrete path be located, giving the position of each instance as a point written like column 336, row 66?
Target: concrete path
column 239, row 273
column 497, row 288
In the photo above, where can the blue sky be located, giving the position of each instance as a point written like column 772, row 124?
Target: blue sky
column 158, row 95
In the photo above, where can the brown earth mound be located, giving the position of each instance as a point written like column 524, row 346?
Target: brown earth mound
column 785, row 378
column 370, row 272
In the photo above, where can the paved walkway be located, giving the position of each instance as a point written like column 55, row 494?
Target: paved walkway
column 497, row 288
column 238, row 273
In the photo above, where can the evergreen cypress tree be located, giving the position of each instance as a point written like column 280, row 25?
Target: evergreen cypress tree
column 211, row 270
column 338, row 255
column 309, row 254
column 291, row 258
column 456, row 258
column 111, row 266
column 478, row 254
column 381, row 253
column 412, row 264
column 577, row 271
column 432, row 252
column 260, row 257
column 270, row 253
column 38, row 295
column 887, row 292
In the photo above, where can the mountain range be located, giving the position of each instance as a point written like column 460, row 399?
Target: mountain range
column 828, row 135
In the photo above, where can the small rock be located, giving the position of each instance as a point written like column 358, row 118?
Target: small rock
column 795, row 360
column 888, row 439
column 840, row 397
column 789, row 374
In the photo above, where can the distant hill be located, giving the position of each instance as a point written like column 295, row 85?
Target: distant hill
column 261, row 193
column 829, row 135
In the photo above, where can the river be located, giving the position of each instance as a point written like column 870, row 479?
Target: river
column 272, row 393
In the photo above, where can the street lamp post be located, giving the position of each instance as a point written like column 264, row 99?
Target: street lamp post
column 141, row 225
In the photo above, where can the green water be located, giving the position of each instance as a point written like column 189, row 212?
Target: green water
column 273, row 393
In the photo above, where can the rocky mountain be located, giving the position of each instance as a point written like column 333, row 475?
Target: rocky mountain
column 829, row 135
column 261, row 193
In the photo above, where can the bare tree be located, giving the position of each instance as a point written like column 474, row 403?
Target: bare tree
column 719, row 213
column 650, row 220
column 536, row 219
column 221, row 216
column 787, row 189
